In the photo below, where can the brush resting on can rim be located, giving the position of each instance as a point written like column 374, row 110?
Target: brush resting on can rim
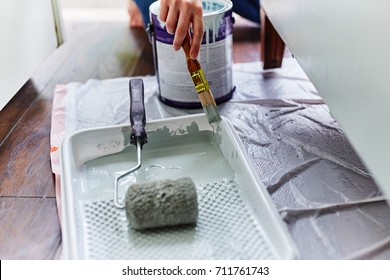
column 201, row 85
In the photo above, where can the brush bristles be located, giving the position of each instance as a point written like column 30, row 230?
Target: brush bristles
column 209, row 106
column 212, row 113
column 205, row 96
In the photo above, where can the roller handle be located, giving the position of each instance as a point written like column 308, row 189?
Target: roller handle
column 137, row 112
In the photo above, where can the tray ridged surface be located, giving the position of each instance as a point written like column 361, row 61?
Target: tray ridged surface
column 226, row 229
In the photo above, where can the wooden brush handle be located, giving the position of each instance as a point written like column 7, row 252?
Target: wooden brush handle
column 187, row 45
column 192, row 64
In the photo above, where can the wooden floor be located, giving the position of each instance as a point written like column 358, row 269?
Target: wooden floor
column 29, row 222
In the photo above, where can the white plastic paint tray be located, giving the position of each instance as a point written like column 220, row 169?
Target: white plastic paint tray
column 237, row 219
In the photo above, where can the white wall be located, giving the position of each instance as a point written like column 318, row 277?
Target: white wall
column 344, row 48
column 27, row 37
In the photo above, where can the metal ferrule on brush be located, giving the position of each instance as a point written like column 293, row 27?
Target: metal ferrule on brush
column 200, row 81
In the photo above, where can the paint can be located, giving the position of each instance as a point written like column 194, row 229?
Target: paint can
column 175, row 84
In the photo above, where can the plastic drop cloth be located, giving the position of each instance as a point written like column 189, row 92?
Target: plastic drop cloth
column 331, row 205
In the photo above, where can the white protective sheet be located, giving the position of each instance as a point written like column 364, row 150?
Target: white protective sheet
column 332, row 206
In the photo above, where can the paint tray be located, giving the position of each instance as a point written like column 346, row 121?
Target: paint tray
column 237, row 218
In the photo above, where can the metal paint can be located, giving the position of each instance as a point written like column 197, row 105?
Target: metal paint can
column 175, row 84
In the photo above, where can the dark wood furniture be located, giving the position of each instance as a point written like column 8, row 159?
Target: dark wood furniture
column 272, row 46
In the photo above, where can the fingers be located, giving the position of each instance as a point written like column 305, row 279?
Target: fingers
column 197, row 36
column 179, row 16
column 183, row 24
column 163, row 10
column 169, row 13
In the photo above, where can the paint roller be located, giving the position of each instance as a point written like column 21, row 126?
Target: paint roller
column 158, row 203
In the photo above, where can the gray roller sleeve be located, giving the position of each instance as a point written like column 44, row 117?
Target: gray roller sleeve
column 162, row 203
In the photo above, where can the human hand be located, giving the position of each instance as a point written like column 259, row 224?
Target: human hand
column 179, row 16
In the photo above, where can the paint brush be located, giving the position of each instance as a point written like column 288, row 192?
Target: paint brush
column 201, row 85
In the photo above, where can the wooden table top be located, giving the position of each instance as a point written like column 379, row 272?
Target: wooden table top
column 29, row 221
